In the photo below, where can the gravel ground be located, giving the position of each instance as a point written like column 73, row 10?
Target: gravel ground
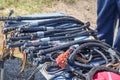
column 12, row 68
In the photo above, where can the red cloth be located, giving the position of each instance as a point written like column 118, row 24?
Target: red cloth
column 104, row 75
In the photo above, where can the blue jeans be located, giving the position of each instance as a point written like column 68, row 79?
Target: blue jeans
column 108, row 13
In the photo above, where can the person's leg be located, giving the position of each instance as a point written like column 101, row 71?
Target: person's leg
column 106, row 20
column 117, row 41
